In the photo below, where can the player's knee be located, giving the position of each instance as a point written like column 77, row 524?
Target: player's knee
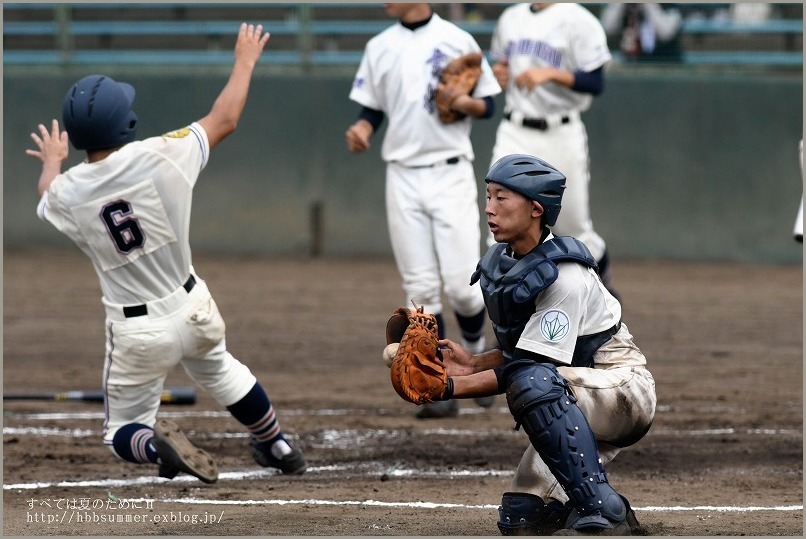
column 465, row 300
column 531, row 384
column 523, row 513
column 467, row 306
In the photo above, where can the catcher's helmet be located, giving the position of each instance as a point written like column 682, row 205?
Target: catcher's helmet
column 97, row 113
column 533, row 178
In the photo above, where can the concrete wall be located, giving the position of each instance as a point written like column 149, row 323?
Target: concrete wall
column 683, row 166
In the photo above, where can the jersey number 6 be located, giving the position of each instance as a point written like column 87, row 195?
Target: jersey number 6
column 124, row 229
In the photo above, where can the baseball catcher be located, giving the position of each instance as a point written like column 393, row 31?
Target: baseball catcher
column 413, row 357
column 459, row 77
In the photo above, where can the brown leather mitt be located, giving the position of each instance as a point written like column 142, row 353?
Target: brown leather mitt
column 459, row 77
column 418, row 374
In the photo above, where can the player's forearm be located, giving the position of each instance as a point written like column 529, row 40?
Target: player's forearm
column 230, row 103
column 488, row 360
column 563, row 77
column 481, row 384
column 228, row 107
column 49, row 172
column 470, row 106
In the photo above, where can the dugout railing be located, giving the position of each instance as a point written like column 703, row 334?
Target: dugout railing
column 314, row 35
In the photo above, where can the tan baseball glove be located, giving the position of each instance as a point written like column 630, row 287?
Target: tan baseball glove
column 459, row 77
column 417, row 372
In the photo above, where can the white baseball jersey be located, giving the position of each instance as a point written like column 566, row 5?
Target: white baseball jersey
column 399, row 73
column 431, row 189
column 563, row 36
column 130, row 213
column 577, row 303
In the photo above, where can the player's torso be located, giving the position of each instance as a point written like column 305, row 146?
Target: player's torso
column 576, row 305
column 130, row 214
column 547, row 38
column 406, row 65
column 405, row 69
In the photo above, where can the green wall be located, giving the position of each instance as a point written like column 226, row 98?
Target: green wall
column 683, row 167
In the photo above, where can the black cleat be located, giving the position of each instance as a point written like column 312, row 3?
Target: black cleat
column 177, row 454
column 291, row 464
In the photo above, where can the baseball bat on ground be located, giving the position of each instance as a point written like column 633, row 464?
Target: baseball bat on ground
column 170, row 395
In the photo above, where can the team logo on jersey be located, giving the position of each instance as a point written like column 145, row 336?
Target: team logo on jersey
column 179, row 133
column 536, row 49
column 437, row 61
column 554, row 325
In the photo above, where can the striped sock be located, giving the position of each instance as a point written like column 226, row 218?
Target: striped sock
column 132, row 442
column 256, row 413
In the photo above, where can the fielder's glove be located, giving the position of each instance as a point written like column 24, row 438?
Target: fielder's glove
column 459, row 77
column 418, row 374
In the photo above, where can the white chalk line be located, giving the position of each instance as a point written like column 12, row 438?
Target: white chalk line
column 50, row 416
column 376, row 503
column 440, row 505
column 224, row 476
column 468, row 410
column 369, row 469
column 334, row 438
column 365, row 468
column 346, row 438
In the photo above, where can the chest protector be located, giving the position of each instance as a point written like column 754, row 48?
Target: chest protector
column 510, row 286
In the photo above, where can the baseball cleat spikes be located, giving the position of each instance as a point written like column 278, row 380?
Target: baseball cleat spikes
column 177, row 454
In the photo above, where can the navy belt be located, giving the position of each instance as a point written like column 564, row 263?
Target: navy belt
column 451, row 161
column 142, row 310
column 587, row 345
column 536, row 123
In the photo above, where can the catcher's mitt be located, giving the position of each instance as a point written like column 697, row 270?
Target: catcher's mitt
column 459, row 77
column 417, row 372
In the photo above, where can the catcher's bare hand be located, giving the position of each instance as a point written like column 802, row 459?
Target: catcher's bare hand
column 457, row 359
column 358, row 136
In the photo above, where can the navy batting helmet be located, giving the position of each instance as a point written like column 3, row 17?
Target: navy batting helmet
column 533, row 178
column 97, row 113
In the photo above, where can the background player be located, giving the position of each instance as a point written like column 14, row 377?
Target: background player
column 128, row 208
column 431, row 193
column 645, row 32
column 550, row 60
column 573, row 376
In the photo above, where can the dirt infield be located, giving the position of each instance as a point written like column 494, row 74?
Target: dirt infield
column 724, row 456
